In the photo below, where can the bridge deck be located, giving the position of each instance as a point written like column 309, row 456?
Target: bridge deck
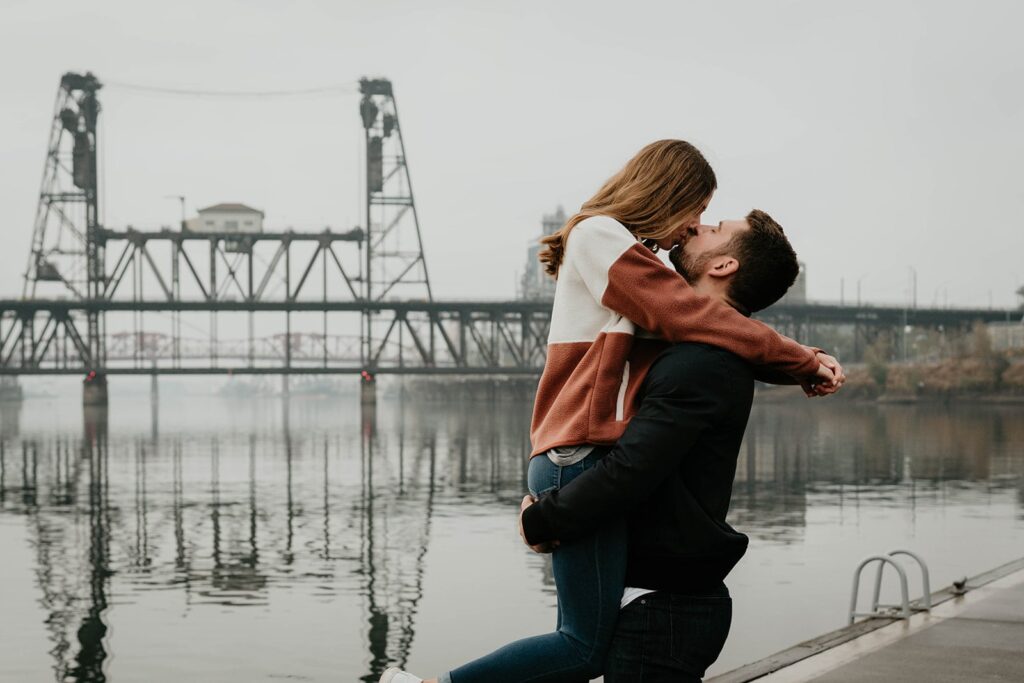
column 810, row 311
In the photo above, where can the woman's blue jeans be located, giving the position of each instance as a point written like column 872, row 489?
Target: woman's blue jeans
column 589, row 575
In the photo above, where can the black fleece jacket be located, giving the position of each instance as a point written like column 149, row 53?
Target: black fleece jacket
column 671, row 474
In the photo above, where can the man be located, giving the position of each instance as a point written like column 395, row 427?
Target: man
column 671, row 472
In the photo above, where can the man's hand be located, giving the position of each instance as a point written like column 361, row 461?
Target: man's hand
column 542, row 547
column 829, row 379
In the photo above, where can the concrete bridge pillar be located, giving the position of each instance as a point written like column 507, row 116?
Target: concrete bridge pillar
column 367, row 389
column 10, row 390
column 94, row 389
column 10, row 418
column 96, row 421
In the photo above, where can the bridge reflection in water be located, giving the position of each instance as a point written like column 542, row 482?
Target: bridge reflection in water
column 226, row 515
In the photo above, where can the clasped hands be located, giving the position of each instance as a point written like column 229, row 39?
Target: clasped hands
column 827, row 380
column 540, row 547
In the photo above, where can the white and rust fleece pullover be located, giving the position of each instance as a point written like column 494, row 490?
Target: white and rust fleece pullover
column 616, row 305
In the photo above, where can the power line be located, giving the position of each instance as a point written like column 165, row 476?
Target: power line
column 340, row 88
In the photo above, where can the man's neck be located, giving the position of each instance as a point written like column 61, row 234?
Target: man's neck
column 718, row 291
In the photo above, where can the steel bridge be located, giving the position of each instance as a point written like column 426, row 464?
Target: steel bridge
column 88, row 286
column 42, row 337
column 99, row 301
column 419, row 337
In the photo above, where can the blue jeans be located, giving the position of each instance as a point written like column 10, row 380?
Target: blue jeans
column 589, row 575
column 664, row 637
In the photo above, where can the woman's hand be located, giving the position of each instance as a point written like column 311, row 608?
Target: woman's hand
column 541, row 547
column 830, row 377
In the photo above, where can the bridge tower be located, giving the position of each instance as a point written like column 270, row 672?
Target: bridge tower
column 394, row 266
column 67, row 251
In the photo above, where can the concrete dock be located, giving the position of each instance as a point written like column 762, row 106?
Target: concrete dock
column 976, row 636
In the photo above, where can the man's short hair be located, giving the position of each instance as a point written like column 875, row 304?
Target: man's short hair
column 768, row 265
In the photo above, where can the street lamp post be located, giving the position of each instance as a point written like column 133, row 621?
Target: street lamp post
column 181, row 199
column 913, row 287
column 859, row 280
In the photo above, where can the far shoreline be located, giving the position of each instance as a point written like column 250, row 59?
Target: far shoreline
column 775, row 394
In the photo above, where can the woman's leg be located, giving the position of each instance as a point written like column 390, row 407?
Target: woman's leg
column 589, row 575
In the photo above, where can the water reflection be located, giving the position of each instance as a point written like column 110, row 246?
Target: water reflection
column 71, row 542
column 878, row 455
column 328, row 501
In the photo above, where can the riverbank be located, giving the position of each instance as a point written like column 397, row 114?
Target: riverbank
column 788, row 394
column 993, row 379
column 987, row 377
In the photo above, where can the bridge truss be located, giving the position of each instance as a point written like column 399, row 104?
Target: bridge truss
column 467, row 337
column 100, row 301
column 45, row 337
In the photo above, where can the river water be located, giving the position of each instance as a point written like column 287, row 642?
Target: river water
column 250, row 539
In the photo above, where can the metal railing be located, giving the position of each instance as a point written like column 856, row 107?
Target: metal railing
column 906, row 607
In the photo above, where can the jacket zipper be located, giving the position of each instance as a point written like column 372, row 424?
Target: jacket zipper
column 620, row 401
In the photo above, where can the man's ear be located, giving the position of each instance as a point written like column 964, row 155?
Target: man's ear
column 723, row 266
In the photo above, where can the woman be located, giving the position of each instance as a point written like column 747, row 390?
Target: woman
column 611, row 292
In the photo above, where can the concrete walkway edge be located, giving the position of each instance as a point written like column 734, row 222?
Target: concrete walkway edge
column 787, row 658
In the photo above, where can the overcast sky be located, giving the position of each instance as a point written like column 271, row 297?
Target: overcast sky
column 882, row 135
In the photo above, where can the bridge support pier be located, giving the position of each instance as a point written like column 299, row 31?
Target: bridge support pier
column 367, row 390
column 96, row 421
column 94, row 390
column 10, row 389
column 10, row 418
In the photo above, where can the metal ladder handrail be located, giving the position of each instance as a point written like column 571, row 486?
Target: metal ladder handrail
column 926, row 599
column 905, row 608
column 884, row 559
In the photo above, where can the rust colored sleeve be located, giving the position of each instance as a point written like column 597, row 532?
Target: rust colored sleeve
column 658, row 299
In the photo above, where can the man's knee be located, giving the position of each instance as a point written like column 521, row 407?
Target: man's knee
column 648, row 647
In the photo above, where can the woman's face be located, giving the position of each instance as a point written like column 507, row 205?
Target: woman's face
column 682, row 225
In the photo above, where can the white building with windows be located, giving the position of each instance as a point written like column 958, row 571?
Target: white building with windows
column 227, row 218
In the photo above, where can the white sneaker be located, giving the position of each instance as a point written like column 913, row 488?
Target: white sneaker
column 396, row 675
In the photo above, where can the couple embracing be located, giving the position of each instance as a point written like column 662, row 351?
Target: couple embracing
column 638, row 421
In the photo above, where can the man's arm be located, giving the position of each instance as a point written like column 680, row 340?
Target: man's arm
column 822, row 387
column 682, row 397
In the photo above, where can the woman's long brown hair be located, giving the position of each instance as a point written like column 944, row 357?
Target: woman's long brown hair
column 665, row 179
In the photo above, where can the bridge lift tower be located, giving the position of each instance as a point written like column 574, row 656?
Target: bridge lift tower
column 66, row 258
column 395, row 267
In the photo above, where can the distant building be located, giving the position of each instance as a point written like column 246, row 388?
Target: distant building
column 227, row 218
column 536, row 284
column 797, row 294
column 1006, row 336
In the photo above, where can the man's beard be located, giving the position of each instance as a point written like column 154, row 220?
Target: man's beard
column 688, row 266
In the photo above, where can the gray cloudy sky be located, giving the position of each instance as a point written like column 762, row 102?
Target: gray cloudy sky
column 882, row 135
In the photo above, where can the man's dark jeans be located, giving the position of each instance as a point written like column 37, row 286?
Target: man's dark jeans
column 669, row 637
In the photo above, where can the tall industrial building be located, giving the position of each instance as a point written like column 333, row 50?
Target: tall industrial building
column 797, row 294
column 536, row 284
